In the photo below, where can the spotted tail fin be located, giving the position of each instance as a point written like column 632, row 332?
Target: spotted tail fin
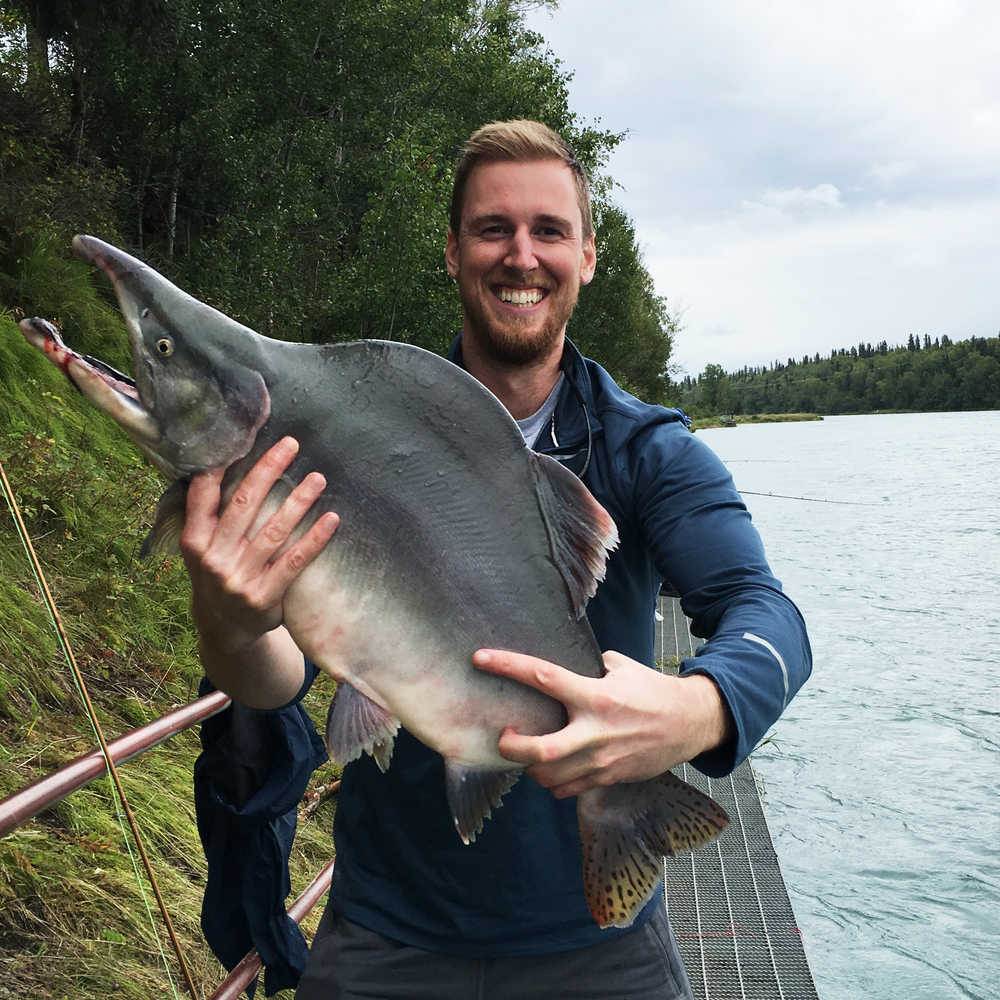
column 627, row 829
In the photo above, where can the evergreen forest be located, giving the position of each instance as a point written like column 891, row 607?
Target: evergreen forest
column 924, row 375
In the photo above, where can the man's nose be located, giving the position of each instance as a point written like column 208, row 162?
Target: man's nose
column 521, row 251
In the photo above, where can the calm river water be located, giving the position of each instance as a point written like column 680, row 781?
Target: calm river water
column 882, row 790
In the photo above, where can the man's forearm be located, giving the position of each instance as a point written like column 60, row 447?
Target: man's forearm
column 266, row 674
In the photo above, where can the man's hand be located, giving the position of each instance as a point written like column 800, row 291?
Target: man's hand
column 238, row 583
column 629, row 725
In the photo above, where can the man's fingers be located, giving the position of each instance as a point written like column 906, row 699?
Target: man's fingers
column 572, row 788
column 201, row 512
column 563, row 762
column 531, row 750
column 550, row 678
column 275, row 532
column 245, row 502
column 295, row 559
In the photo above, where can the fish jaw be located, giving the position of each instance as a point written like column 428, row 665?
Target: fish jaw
column 109, row 391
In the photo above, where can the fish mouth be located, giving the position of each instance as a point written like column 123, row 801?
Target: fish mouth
column 108, row 258
column 108, row 389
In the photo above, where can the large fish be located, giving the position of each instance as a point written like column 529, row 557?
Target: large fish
column 454, row 536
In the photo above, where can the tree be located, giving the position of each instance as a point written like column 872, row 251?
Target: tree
column 290, row 163
column 714, row 390
column 620, row 320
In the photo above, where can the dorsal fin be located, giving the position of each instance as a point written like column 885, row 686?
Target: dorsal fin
column 581, row 532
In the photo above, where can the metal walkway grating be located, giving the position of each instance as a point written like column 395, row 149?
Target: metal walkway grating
column 727, row 901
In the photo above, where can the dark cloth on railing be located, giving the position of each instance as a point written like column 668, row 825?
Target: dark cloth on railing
column 253, row 771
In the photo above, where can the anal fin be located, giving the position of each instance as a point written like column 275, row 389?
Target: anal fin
column 356, row 725
column 627, row 829
column 473, row 793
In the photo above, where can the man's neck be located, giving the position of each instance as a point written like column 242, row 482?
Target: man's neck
column 521, row 388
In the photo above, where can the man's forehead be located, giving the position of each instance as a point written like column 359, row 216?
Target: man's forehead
column 539, row 218
column 543, row 189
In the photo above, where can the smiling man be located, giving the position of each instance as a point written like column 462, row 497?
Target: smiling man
column 520, row 245
column 414, row 913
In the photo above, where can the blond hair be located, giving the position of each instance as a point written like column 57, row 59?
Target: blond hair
column 519, row 141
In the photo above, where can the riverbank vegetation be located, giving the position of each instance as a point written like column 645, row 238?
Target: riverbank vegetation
column 734, row 420
column 73, row 917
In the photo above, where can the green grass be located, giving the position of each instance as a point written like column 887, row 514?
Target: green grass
column 72, row 918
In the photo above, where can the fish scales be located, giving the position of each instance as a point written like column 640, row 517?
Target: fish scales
column 387, row 542
column 454, row 536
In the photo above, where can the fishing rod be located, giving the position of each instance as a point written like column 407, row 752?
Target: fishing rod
column 785, row 496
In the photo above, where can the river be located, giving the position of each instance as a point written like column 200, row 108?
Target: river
column 881, row 789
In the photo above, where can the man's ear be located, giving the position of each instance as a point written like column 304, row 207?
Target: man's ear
column 451, row 253
column 589, row 264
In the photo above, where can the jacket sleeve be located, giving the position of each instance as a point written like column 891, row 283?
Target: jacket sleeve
column 253, row 770
column 704, row 543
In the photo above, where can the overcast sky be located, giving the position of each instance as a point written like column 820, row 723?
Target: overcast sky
column 802, row 175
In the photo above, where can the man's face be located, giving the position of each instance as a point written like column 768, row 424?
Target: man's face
column 520, row 257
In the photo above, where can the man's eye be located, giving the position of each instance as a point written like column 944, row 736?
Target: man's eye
column 550, row 233
column 494, row 230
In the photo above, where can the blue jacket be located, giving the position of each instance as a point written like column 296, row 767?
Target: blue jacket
column 401, row 870
column 252, row 772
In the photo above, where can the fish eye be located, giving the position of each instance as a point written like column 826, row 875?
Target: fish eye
column 164, row 347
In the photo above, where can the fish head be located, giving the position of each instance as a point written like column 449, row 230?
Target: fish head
column 197, row 396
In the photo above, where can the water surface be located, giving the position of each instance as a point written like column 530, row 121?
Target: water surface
column 882, row 790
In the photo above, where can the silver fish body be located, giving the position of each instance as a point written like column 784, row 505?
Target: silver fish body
column 454, row 536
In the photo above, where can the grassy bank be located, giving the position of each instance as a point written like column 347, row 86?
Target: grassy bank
column 704, row 423
column 73, row 922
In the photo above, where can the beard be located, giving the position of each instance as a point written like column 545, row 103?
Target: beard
column 513, row 342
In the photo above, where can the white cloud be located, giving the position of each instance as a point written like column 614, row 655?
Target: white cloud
column 798, row 199
column 802, row 176
column 887, row 173
column 822, row 194
column 755, row 294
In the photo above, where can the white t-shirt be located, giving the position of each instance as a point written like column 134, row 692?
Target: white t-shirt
column 532, row 426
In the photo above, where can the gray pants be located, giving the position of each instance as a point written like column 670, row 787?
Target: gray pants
column 350, row 962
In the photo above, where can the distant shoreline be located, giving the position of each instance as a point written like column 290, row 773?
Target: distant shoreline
column 706, row 423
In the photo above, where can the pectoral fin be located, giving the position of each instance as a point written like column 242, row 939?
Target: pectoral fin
column 356, row 725
column 472, row 795
column 627, row 829
column 164, row 537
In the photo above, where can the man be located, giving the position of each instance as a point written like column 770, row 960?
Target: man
column 413, row 912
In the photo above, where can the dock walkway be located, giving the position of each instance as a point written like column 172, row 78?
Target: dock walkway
column 727, row 901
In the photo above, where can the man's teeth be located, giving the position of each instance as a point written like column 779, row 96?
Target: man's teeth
column 520, row 296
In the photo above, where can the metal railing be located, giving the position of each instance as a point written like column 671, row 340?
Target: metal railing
column 46, row 791
column 52, row 788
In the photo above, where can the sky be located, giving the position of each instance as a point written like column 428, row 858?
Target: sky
column 802, row 176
